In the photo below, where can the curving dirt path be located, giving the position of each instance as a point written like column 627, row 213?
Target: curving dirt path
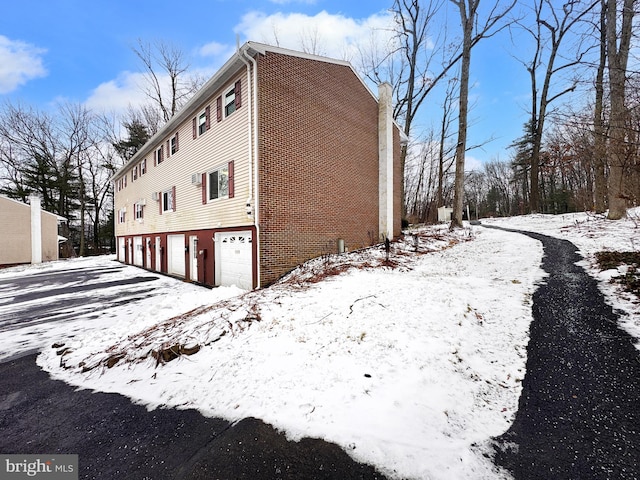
column 579, row 412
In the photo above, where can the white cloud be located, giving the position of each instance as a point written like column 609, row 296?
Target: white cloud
column 19, row 63
column 331, row 35
column 287, row 2
column 118, row 94
column 213, row 49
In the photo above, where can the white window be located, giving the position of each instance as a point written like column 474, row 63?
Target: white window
column 139, row 211
column 143, row 167
column 168, row 201
column 202, row 123
column 122, row 215
column 230, row 102
column 159, row 156
column 174, row 144
column 218, row 183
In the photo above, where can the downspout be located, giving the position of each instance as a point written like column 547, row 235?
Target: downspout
column 253, row 147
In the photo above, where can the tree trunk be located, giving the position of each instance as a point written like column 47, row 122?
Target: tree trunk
column 618, row 58
column 599, row 146
column 461, row 147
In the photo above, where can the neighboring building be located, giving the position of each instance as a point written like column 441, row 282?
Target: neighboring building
column 280, row 157
column 28, row 233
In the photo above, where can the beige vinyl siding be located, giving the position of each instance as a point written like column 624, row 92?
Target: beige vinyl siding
column 16, row 237
column 16, row 234
column 224, row 142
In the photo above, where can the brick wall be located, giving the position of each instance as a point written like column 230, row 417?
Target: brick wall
column 318, row 170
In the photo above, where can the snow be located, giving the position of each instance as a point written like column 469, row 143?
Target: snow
column 411, row 365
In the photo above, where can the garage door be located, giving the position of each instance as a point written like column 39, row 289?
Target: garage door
column 175, row 255
column 234, row 255
column 137, row 251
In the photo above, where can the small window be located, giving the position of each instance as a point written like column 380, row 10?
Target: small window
column 202, row 123
column 122, row 215
column 167, row 201
column 159, row 155
column 219, row 183
column 143, row 167
column 174, row 144
column 139, row 211
column 134, row 173
column 230, row 102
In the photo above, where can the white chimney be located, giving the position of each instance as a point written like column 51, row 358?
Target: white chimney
column 385, row 153
column 36, row 229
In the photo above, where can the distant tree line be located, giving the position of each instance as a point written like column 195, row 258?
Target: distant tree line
column 67, row 155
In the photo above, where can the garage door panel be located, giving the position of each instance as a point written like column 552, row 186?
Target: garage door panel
column 175, row 255
column 234, row 259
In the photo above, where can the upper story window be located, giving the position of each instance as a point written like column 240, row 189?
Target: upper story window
column 143, row 167
column 139, row 210
column 202, row 122
column 173, row 143
column 122, row 215
column 159, row 155
column 168, row 200
column 229, row 102
column 134, row 173
column 219, row 183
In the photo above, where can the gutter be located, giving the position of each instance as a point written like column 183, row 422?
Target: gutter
column 250, row 62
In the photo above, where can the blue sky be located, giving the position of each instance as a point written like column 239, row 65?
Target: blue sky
column 81, row 51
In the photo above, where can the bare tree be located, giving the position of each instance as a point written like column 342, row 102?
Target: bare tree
column 168, row 85
column 618, row 45
column 599, row 140
column 552, row 24
column 472, row 33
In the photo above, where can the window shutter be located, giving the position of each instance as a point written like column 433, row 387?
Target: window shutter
column 168, row 149
column 161, row 152
column 219, row 108
column 173, row 196
column 177, row 147
column 204, row 188
column 195, row 128
column 207, row 112
column 231, row 188
column 238, row 92
column 160, row 202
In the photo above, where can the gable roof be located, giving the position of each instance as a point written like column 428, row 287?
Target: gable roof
column 217, row 81
column 19, row 204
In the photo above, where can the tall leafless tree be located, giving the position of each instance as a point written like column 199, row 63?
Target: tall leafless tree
column 472, row 32
column 168, row 83
column 551, row 26
column 619, row 32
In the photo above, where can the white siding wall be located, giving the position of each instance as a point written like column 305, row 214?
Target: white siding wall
column 225, row 141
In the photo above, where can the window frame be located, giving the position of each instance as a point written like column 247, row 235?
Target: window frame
column 227, row 104
column 138, row 211
column 167, row 200
column 221, row 168
column 202, row 123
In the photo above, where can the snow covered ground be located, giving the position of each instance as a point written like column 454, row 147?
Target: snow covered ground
column 410, row 365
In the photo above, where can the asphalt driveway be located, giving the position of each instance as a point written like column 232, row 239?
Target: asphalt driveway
column 113, row 437
column 579, row 412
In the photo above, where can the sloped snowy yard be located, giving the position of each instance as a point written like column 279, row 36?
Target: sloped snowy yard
column 411, row 366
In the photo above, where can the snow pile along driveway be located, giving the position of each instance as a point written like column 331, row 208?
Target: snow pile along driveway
column 410, row 367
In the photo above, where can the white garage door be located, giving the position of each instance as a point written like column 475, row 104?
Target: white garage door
column 234, row 255
column 175, row 255
column 137, row 251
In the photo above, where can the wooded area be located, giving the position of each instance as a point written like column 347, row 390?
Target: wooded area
column 578, row 151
